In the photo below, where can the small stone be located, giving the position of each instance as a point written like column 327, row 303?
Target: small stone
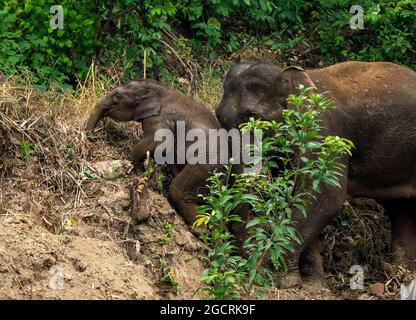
column 80, row 266
column 377, row 289
column 49, row 262
column 68, row 276
column 364, row 296
column 181, row 239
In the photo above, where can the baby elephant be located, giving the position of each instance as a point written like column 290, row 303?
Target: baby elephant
column 162, row 110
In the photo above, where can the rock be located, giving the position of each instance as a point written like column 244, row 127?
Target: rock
column 377, row 289
column 187, row 241
column 364, row 296
column 78, row 264
column 68, row 276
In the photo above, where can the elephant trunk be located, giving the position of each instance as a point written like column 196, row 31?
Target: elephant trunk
column 95, row 116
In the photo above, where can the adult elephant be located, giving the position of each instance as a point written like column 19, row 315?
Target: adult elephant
column 376, row 109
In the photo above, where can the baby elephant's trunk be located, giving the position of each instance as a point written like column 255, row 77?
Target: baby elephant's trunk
column 95, row 116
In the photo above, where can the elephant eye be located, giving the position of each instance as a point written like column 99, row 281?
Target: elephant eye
column 257, row 87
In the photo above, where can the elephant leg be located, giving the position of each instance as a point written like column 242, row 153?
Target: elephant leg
column 292, row 277
column 139, row 153
column 184, row 190
column 326, row 207
column 402, row 214
column 311, row 263
column 238, row 229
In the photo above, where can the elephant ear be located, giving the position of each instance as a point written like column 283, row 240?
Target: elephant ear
column 148, row 104
column 294, row 76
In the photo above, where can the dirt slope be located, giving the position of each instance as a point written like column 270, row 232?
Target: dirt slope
column 94, row 265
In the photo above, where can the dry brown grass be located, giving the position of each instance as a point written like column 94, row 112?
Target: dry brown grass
column 361, row 236
column 44, row 146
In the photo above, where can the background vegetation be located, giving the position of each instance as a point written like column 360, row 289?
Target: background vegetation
column 116, row 33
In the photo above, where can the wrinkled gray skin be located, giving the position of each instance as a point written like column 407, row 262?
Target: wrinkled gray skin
column 376, row 109
column 159, row 107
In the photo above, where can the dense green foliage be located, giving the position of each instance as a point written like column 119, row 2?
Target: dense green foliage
column 28, row 42
column 119, row 31
column 389, row 32
column 306, row 160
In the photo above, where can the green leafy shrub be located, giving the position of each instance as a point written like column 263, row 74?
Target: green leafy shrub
column 117, row 33
column 167, row 278
column 201, row 28
column 53, row 55
column 388, row 34
column 306, row 160
column 26, row 149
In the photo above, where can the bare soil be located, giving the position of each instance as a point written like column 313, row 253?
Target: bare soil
column 96, row 263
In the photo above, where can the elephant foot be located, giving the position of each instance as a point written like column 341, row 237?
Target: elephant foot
column 311, row 265
column 398, row 254
column 404, row 257
column 313, row 273
column 315, row 280
column 404, row 250
column 403, row 227
column 290, row 280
